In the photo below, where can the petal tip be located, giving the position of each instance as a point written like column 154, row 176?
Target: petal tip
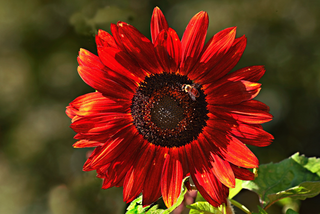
column 122, row 24
column 156, row 9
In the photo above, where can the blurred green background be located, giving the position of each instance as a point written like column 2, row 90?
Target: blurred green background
column 41, row 173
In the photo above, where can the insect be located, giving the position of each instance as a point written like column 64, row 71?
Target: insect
column 191, row 90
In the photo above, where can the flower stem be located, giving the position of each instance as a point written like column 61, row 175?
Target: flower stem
column 240, row 206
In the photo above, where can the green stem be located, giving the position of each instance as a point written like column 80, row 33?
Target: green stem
column 240, row 206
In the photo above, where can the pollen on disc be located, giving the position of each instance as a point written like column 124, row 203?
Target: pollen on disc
column 167, row 113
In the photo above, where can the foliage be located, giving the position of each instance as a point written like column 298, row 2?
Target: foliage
column 297, row 177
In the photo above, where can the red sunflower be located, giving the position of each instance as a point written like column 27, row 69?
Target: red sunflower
column 167, row 109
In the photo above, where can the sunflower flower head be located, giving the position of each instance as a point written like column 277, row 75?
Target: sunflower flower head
column 166, row 109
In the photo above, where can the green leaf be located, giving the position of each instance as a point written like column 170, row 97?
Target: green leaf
column 234, row 191
column 297, row 177
column 290, row 211
column 135, row 206
column 261, row 211
column 203, row 207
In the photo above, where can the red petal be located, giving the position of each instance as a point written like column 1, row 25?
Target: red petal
column 251, row 112
column 158, row 23
column 116, row 36
column 242, row 173
column 168, row 50
column 116, row 172
column 160, row 47
column 250, row 73
column 115, row 146
column 214, row 50
column 151, row 187
column 87, row 164
column 203, row 177
column 219, row 167
column 122, row 165
column 88, row 59
column 225, row 64
column 97, row 129
column 95, row 104
column 172, row 176
column 71, row 112
column 231, row 149
column 134, row 180
column 120, row 62
column 223, row 171
column 101, row 172
column 218, row 123
column 220, row 43
column 138, row 47
column 86, row 144
column 107, row 182
column 93, row 62
column 193, row 40
column 232, row 93
column 97, row 80
column 252, row 135
column 100, row 131
column 174, row 50
column 105, row 39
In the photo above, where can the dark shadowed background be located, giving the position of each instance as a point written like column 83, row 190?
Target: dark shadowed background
column 41, row 173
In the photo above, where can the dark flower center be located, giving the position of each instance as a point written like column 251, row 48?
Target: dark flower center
column 167, row 113
column 169, row 110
